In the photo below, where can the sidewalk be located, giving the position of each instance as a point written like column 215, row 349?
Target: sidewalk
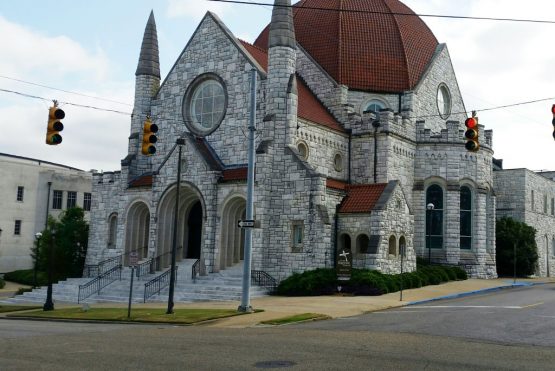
column 333, row 306
column 10, row 289
column 345, row 306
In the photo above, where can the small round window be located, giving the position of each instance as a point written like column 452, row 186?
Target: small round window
column 303, row 150
column 338, row 162
column 205, row 104
column 443, row 101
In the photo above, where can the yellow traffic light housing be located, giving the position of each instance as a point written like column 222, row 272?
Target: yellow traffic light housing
column 553, row 121
column 149, row 137
column 55, row 115
column 471, row 134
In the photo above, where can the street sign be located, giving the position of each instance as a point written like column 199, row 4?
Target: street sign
column 245, row 223
column 133, row 258
column 344, row 265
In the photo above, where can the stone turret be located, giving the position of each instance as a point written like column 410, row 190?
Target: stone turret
column 147, row 83
column 282, row 85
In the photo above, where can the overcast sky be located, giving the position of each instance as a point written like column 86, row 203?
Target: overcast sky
column 93, row 47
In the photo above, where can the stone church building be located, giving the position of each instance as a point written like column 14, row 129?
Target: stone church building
column 359, row 126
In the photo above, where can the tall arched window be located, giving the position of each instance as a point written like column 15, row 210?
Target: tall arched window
column 112, row 231
column 466, row 218
column 402, row 246
column 392, row 245
column 362, row 244
column 434, row 218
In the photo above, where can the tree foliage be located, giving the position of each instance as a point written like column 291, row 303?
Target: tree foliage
column 510, row 232
column 69, row 244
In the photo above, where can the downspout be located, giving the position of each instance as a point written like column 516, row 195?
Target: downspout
column 336, row 227
column 376, row 125
column 350, row 131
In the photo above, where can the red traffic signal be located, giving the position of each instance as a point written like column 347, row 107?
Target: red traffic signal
column 54, row 127
column 471, row 134
column 149, row 137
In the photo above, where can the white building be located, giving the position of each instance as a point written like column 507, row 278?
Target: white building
column 33, row 189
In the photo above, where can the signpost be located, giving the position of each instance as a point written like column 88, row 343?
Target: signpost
column 133, row 260
column 344, row 265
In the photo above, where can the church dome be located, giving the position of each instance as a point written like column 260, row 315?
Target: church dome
column 361, row 44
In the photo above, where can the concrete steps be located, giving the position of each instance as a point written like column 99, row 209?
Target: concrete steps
column 222, row 286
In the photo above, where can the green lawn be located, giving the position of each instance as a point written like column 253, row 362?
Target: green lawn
column 156, row 315
column 296, row 318
column 16, row 308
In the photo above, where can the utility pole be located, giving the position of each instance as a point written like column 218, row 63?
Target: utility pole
column 245, row 296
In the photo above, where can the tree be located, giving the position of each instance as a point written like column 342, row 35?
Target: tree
column 510, row 232
column 70, row 245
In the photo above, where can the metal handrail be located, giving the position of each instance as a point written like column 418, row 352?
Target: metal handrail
column 109, row 264
column 98, row 283
column 195, row 270
column 155, row 285
column 145, row 268
column 261, row 278
column 90, row 270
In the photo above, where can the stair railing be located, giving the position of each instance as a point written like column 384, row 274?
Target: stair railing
column 195, row 270
column 155, row 285
column 263, row 279
column 98, row 283
column 145, row 268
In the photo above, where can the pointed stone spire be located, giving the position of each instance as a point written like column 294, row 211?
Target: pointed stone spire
column 282, row 29
column 149, row 62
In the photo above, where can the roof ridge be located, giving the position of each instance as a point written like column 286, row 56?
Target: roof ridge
column 254, row 46
column 400, row 38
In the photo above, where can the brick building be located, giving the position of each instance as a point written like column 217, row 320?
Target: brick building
column 358, row 129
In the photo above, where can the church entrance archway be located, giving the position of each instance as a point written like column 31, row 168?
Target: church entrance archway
column 189, row 225
column 137, row 231
column 232, row 238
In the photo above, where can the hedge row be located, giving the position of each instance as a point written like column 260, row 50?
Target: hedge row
column 27, row 277
column 324, row 281
column 2, row 283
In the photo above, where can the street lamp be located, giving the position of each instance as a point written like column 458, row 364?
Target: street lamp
column 429, row 209
column 49, row 304
column 38, row 236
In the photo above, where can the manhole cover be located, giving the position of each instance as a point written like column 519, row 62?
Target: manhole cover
column 274, row 364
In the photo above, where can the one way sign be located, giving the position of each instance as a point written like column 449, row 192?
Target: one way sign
column 245, row 224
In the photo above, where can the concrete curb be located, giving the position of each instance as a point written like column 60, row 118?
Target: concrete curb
column 476, row 292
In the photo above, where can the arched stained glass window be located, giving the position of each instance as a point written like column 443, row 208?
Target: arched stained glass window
column 362, row 244
column 466, row 218
column 434, row 218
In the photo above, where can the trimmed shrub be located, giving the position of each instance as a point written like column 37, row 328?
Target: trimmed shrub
column 26, row 277
column 2, row 283
column 321, row 281
column 460, row 273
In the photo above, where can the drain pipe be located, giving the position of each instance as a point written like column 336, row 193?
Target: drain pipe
column 350, row 131
column 336, row 227
column 376, row 125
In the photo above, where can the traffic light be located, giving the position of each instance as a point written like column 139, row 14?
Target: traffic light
column 471, row 134
column 53, row 136
column 553, row 121
column 149, row 137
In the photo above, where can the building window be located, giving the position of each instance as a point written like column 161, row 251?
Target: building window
column 533, row 203
column 338, row 162
column 20, row 194
column 403, row 246
column 545, row 204
column 434, row 218
column 553, row 206
column 302, row 147
column 553, row 246
column 71, row 199
column 373, row 105
column 444, row 101
column 392, row 245
column 297, row 235
column 87, row 197
column 466, row 218
column 362, row 244
column 112, row 231
column 57, row 200
column 205, row 104
column 17, row 228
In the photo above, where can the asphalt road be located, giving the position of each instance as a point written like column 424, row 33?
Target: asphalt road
column 416, row 338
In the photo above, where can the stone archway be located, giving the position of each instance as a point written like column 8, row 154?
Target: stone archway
column 232, row 238
column 137, row 231
column 189, row 225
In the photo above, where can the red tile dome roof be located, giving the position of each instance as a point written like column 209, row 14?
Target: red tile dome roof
column 369, row 49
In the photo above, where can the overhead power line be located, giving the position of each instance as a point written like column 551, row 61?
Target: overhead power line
column 391, row 13
column 65, row 91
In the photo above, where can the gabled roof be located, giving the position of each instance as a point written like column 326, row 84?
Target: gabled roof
column 369, row 45
column 362, row 198
column 310, row 108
